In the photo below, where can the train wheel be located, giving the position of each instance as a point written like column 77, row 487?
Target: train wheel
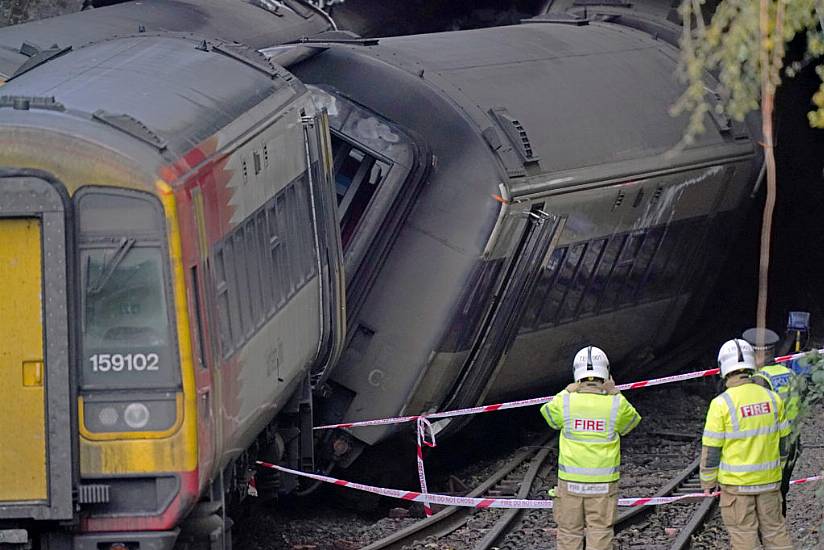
column 208, row 527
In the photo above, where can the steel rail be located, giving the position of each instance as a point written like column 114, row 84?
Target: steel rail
column 679, row 481
column 697, row 519
column 452, row 518
column 505, row 522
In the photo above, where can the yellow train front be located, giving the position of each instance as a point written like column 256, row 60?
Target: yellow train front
column 169, row 258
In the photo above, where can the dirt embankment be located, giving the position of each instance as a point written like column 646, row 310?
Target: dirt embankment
column 13, row 12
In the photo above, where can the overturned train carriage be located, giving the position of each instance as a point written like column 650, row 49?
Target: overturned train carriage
column 603, row 230
column 141, row 178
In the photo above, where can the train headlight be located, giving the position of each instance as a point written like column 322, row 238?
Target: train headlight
column 138, row 412
column 136, row 415
column 108, row 416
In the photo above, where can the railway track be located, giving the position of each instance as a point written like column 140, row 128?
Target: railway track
column 528, row 475
column 510, row 480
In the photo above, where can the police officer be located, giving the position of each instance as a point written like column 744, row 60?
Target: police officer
column 782, row 381
column 743, row 450
column 592, row 416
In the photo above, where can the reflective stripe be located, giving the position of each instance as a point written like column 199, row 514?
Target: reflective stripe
column 548, row 417
column 774, row 404
column 588, row 471
column 750, row 467
column 613, row 417
column 597, row 441
column 632, row 424
column 757, row 488
column 731, row 407
column 567, row 416
column 743, row 434
column 587, row 488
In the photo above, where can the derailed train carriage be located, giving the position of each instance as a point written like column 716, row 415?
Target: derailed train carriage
column 140, row 177
column 603, row 231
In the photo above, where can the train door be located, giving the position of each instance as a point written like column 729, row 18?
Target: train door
column 500, row 326
column 317, row 137
column 205, row 380
column 36, row 413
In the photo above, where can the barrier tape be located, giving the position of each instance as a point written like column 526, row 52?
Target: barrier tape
column 540, row 400
column 423, row 426
column 513, row 404
column 447, row 500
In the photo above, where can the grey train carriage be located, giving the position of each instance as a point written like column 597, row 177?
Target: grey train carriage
column 536, row 200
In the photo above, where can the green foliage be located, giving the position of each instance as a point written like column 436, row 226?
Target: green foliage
column 731, row 47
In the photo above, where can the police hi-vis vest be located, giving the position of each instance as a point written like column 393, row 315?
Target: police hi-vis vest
column 747, row 422
column 783, row 383
column 591, row 425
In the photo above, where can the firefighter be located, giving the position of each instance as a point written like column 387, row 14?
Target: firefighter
column 592, row 415
column 784, row 382
column 744, row 442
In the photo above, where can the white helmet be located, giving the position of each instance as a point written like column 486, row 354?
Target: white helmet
column 590, row 362
column 735, row 355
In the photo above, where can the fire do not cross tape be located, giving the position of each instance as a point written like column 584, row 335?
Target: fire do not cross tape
column 538, row 400
column 446, row 500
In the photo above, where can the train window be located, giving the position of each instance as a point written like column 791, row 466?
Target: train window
column 253, row 270
column 242, row 282
column 557, row 292
column 198, row 332
column 620, row 272
column 357, row 177
column 103, row 211
column 127, row 331
column 643, row 264
column 223, row 301
column 262, row 263
column 603, row 275
column 580, row 301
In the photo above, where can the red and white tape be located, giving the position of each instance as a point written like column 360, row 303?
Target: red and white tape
column 512, row 404
column 446, row 500
column 539, row 400
column 424, row 426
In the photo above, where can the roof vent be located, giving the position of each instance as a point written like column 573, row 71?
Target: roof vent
column 28, row 49
column 130, row 125
column 559, row 19
column 611, row 3
column 24, row 103
column 38, row 57
column 516, row 133
column 246, row 55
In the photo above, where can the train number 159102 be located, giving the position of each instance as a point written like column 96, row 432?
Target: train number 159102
column 117, row 362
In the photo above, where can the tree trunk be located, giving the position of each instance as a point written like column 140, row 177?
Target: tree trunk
column 771, row 60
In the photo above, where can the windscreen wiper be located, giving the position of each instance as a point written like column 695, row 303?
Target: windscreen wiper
column 110, row 266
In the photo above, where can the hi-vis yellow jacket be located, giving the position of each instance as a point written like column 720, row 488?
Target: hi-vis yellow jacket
column 746, row 424
column 592, row 417
column 783, row 382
